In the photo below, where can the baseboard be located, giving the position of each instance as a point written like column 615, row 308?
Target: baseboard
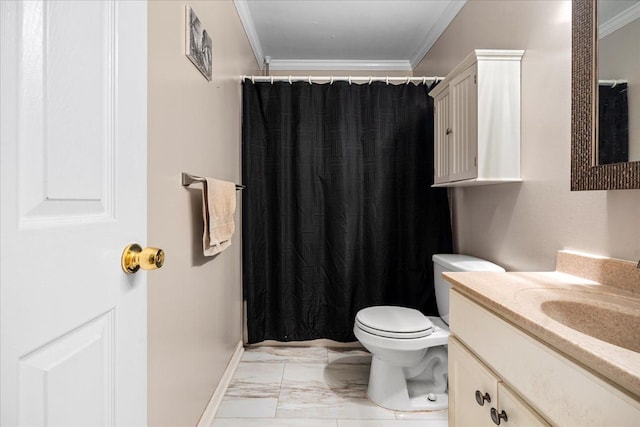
column 322, row 342
column 209, row 413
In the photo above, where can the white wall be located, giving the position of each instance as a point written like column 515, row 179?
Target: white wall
column 521, row 226
column 195, row 303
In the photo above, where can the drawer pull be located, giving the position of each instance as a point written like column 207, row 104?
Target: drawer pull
column 496, row 418
column 480, row 398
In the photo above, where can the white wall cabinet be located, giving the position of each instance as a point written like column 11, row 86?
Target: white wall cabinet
column 531, row 382
column 477, row 120
column 477, row 396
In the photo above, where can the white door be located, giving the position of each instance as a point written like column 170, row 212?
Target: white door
column 73, row 194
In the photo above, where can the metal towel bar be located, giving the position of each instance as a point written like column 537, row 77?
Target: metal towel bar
column 188, row 179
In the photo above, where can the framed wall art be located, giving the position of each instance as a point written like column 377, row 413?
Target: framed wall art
column 199, row 46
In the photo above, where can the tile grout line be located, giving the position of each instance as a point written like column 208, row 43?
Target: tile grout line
column 284, row 367
column 336, row 421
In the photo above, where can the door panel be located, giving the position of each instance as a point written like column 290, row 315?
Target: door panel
column 519, row 413
column 441, row 140
column 70, row 381
column 73, row 188
column 66, row 46
column 464, row 139
column 78, row 121
column 466, row 376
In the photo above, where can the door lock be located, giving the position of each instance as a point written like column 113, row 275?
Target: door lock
column 134, row 258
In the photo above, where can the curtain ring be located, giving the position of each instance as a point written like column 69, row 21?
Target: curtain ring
column 253, row 79
column 290, row 79
column 331, row 81
column 370, row 79
column 309, row 79
column 408, row 79
column 387, row 80
column 271, row 79
column 349, row 79
column 424, row 81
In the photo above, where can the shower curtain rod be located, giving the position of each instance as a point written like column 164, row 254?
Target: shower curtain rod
column 350, row 79
column 612, row 83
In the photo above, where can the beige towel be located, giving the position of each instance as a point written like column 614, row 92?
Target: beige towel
column 218, row 207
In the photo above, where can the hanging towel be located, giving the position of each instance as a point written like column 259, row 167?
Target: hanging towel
column 218, row 207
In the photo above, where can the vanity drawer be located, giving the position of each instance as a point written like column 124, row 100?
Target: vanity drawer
column 562, row 391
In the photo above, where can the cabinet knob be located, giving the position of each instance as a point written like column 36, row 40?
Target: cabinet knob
column 496, row 418
column 480, row 398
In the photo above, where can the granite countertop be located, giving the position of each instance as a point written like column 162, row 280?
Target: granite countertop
column 614, row 296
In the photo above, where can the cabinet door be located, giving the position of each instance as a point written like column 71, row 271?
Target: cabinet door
column 467, row 376
column 463, row 152
column 518, row 413
column 441, row 138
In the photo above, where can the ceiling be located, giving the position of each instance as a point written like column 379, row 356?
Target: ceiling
column 344, row 34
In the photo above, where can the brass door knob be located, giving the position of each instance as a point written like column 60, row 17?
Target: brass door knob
column 134, row 258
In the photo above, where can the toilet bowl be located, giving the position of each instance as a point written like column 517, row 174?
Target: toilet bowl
column 409, row 353
column 404, row 374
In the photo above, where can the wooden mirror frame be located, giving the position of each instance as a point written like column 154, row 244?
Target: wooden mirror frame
column 585, row 174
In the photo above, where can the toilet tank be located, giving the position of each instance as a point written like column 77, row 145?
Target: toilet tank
column 454, row 262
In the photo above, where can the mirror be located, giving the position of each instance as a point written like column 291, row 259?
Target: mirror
column 618, row 138
column 596, row 166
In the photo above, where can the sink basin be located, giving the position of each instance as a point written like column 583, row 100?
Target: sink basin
column 615, row 325
column 604, row 316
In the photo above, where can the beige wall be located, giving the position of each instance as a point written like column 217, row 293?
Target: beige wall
column 521, row 226
column 195, row 303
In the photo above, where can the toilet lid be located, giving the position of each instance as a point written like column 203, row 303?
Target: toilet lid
column 394, row 322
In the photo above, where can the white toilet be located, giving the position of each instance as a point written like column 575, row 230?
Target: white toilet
column 409, row 364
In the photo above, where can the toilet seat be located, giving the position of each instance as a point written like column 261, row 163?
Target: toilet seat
column 394, row 322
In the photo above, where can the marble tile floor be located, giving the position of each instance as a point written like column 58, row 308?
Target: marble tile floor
column 309, row 387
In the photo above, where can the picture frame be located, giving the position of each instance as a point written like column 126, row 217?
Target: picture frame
column 198, row 44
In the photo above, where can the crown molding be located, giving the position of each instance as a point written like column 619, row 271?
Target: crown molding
column 436, row 31
column 250, row 29
column 619, row 21
column 346, row 65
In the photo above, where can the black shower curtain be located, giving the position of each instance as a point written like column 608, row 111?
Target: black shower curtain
column 613, row 124
column 338, row 213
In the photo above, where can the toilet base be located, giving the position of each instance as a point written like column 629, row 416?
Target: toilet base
column 389, row 388
column 415, row 404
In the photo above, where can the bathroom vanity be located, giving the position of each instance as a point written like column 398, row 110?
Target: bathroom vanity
column 548, row 348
